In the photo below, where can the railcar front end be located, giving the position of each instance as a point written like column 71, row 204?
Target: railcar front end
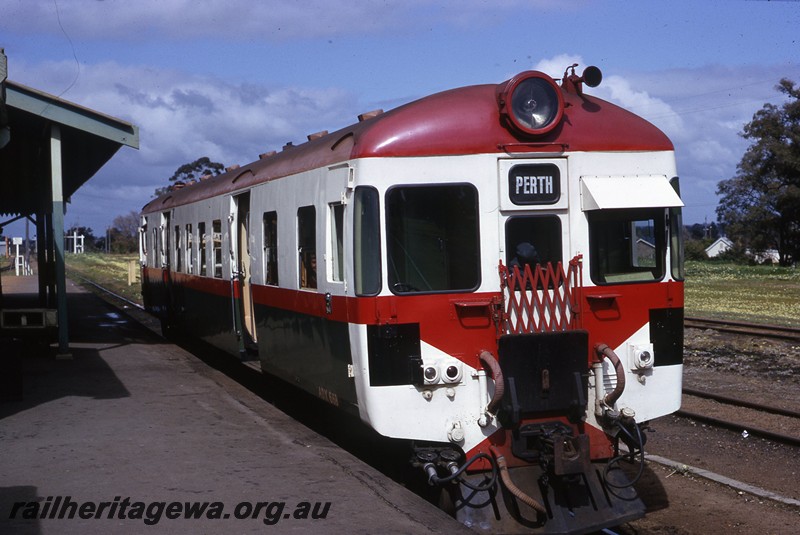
column 492, row 274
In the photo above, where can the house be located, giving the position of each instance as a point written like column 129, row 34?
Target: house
column 719, row 246
column 645, row 252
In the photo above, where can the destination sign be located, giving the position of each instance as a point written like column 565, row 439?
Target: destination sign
column 534, row 184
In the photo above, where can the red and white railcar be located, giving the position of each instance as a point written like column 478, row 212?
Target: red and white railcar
column 492, row 273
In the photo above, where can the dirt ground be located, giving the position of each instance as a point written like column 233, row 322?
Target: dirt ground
column 680, row 502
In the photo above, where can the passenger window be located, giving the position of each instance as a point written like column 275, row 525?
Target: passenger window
column 216, row 236
column 307, row 246
column 433, row 238
column 178, row 251
column 155, row 248
column 164, row 250
column 366, row 241
column 270, row 241
column 201, row 233
column 627, row 245
column 143, row 246
column 189, row 250
column 336, row 268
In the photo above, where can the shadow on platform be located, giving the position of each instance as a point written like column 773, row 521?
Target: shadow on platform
column 94, row 327
column 19, row 525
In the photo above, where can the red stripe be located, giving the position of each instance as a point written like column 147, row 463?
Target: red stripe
column 458, row 324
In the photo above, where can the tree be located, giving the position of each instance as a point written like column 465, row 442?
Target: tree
column 192, row 172
column 703, row 231
column 760, row 206
column 694, row 250
column 124, row 233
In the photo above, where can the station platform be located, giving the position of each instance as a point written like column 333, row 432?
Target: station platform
column 132, row 434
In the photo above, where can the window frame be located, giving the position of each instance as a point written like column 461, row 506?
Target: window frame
column 335, row 267
column 476, row 274
column 600, row 219
column 367, row 262
column 216, row 249
column 269, row 249
column 307, row 257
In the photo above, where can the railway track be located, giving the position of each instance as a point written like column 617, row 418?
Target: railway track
column 741, row 327
column 108, row 292
column 734, row 405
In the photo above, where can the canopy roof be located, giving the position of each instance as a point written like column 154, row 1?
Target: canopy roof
column 88, row 140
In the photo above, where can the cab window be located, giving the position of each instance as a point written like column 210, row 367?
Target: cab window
column 533, row 240
column 627, row 245
column 433, row 243
column 366, row 241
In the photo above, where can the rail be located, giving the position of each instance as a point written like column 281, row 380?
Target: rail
column 738, row 425
column 109, row 292
column 741, row 327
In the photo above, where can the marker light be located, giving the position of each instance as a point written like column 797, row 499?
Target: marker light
column 451, row 373
column 431, row 374
column 531, row 102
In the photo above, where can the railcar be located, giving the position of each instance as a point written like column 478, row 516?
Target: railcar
column 492, row 274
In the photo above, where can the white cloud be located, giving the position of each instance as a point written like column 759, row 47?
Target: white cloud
column 701, row 110
column 556, row 65
column 182, row 117
column 273, row 20
column 620, row 91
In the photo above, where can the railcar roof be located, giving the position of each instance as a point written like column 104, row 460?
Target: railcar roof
column 459, row 121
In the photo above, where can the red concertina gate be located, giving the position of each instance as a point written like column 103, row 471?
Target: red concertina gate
column 543, row 298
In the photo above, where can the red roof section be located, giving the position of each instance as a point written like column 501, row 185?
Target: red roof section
column 459, row 121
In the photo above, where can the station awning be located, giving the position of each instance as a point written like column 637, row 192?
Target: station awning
column 49, row 147
column 88, row 140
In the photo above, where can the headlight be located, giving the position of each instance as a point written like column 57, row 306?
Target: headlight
column 531, row 102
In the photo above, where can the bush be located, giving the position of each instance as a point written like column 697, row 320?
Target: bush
column 695, row 250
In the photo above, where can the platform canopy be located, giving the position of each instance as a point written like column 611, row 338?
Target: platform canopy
column 88, row 140
column 49, row 147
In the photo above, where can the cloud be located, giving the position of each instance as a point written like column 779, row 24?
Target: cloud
column 182, row 117
column 706, row 109
column 556, row 65
column 702, row 110
column 275, row 20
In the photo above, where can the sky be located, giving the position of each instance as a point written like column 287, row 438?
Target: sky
column 230, row 79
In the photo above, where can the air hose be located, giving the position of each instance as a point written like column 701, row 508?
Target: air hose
column 604, row 351
column 505, row 477
column 499, row 384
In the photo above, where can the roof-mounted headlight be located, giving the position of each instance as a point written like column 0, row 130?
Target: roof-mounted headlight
column 531, row 102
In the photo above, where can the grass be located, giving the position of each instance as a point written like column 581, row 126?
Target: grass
column 107, row 270
column 763, row 294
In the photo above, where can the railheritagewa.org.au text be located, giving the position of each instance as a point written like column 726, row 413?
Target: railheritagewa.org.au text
column 153, row 512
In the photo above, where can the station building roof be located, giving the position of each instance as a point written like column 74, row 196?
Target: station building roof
column 88, row 140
